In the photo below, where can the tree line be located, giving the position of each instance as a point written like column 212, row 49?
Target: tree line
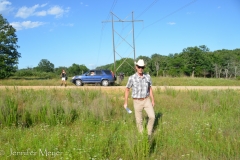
column 46, row 69
column 197, row 61
column 192, row 62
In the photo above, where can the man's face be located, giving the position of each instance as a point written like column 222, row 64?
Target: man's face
column 140, row 69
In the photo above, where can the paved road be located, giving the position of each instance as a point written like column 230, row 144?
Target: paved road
column 123, row 87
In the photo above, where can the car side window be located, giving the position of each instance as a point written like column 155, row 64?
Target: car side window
column 92, row 73
column 98, row 73
column 108, row 72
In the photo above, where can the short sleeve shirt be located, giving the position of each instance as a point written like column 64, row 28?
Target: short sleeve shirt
column 140, row 85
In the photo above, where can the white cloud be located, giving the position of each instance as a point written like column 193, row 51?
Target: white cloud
column 86, row 5
column 56, row 11
column 25, row 12
column 5, row 6
column 43, row 5
column 41, row 13
column 26, row 25
column 36, row 10
column 171, row 23
column 68, row 24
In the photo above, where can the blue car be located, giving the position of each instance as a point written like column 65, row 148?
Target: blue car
column 102, row 77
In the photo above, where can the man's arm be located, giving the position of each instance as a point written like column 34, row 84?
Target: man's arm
column 152, row 97
column 126, row 97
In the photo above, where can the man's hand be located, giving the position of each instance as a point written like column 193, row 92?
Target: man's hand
column 153, row 103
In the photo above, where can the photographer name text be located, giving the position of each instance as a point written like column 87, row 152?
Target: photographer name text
column 39, row 152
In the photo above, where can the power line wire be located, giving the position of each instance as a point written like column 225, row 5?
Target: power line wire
column 164, row 16
column 113, row 6
column 152, row 4
column 144, row 11
column 100, row 43
column 188, row 4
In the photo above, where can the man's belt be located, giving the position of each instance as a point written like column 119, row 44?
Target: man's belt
column 140, row 99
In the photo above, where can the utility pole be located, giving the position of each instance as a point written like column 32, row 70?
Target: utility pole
column 113, row 46
column 133, row 38
column 113, row 31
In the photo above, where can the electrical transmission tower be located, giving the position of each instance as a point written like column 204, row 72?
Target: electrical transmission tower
column 113, row 37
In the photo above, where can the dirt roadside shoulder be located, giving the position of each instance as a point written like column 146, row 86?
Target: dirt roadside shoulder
column 123, row 87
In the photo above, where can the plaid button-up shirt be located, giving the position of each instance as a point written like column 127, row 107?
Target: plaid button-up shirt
column 140, row 85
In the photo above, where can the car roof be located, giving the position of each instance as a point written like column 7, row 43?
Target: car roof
column 99, row 70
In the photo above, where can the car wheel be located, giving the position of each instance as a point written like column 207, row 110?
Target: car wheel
column 105, row 83
column 79, row 83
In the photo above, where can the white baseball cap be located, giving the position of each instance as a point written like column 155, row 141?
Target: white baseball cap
column 140, row 63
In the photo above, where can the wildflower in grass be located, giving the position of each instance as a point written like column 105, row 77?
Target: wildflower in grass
column 219, row 130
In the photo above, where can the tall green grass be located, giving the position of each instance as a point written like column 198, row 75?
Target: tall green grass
column 157, row 81
column 92, row 124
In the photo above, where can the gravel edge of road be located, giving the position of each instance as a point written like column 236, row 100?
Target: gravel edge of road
column 123, row 87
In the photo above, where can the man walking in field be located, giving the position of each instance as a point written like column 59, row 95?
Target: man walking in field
column 141, row 85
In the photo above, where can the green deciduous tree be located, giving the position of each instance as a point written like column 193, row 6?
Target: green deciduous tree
column 195, row 60
column 176, row 65
column 76, row 69
column 125, row 65
column 58, row 70
column 158, row 64
column 226, row 62
column 8, row 49
column 45, row 66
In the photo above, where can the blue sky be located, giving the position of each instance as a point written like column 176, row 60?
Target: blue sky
column 73, row 31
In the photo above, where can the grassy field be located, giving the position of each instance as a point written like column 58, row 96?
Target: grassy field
column 92, row 124
column 157, row 81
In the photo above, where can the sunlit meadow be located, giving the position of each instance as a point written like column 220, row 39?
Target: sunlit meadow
column 92, row 124
column 157, row 81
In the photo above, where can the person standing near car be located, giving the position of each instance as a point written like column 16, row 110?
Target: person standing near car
column 63, row 76
column 141, row 85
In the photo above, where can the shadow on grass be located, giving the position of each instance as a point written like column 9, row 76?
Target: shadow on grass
column 153, row 142
column 157, row 118
column 156, row 122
